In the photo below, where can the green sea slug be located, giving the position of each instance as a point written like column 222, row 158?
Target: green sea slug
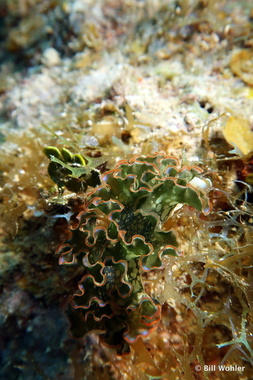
column 69, row 170
column 118, row 237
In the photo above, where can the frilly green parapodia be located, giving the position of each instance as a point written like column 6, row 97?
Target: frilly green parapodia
column 120, row 236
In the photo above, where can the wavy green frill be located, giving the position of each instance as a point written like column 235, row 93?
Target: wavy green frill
column 120, row 236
